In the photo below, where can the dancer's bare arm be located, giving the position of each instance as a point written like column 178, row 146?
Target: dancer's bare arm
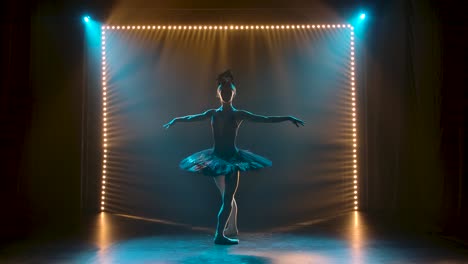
column 246, row 115
column 190, row 118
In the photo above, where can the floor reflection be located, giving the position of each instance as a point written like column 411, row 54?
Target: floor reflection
column 349, row 238
column 356, row 238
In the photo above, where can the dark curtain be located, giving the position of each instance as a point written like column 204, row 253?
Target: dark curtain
column 453, row 122
column 416, row 107
column 15, row 114
column 403, row 81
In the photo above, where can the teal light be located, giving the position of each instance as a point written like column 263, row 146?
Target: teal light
column 362, row 16
column 86, row 19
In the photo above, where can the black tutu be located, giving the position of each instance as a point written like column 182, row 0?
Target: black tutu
column 207, row 163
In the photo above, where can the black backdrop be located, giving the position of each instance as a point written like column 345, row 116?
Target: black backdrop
column 414, row 60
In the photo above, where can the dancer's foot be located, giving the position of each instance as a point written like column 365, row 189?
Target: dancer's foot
column 222, row 240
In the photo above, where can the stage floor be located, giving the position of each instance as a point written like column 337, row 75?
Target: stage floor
column 349, row 238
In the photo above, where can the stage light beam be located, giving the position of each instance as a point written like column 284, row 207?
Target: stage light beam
column 362, row 16
column 86, row 19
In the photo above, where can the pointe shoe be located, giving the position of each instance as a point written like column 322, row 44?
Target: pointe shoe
column 222, row 240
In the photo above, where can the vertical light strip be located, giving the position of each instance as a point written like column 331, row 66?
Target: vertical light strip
column 231, row 27
column 104, row 117
column 354, row 117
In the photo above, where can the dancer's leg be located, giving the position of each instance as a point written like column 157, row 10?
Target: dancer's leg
column 231, row 183
column 220, row 183
column 231, row 226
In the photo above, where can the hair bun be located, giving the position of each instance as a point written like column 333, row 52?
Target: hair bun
column 225, row 75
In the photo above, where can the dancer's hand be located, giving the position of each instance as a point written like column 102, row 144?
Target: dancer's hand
column 172, row 122
column 296, row 121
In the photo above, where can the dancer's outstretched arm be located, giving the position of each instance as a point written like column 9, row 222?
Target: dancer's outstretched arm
column 190, row 118
column 268, row 119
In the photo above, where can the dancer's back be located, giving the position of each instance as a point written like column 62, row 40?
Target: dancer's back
column 225, row 125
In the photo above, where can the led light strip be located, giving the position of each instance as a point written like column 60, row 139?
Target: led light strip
column 223, row 28
column 104, row 116
column 354, row 119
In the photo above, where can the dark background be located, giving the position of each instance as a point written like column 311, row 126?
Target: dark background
column 413, row 108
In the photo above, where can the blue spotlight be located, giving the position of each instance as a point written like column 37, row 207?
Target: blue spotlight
column 86, row 19
column 362, row 16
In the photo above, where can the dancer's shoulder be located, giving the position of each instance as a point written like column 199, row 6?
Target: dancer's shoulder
column 241, row 112
column 210, row 111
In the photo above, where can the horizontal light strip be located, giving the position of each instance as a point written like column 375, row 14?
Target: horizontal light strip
column 224, row 27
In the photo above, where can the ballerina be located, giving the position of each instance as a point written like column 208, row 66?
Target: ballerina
column 224, row 161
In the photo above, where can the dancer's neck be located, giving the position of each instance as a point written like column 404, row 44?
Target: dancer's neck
column 227, row 106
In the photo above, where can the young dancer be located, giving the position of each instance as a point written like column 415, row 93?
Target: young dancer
column 224, row 161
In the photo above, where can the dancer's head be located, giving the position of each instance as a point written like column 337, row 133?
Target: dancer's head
column 226, row 88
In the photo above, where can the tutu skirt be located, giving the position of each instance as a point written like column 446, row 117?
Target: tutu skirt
column 208, row 163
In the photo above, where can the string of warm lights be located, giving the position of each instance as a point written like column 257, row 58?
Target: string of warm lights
column 104, row 115
column 229, row 27
column 353, row 114
column 223, row 27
